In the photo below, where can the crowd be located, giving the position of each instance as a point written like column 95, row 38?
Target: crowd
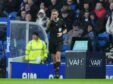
column 84, row 18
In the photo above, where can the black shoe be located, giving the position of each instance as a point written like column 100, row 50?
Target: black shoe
column 56, row 76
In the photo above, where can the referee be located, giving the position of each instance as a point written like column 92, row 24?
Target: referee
column 57, row 28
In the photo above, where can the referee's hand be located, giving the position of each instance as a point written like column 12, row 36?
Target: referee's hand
column 59, row 34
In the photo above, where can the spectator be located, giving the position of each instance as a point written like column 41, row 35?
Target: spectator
column 100, row 13
column 86, row 7
column 33, row 9
column 79, row 4
column 38, row 2
column 92, row 3
column 1, row 8
column 42, row 6
column 109, row 26
column 71, row 14
column 11, row 6
column 42, row 19
column 1, row 12
column 110, row 10
column 106, row 4
column 27, row 8
column 23, row 15
column 28, row 17
column 65, row 7
column 93, row 20
column 75, row 32
column 72, row 6
column 91, row 36
column 90, row 31
column 53, row 5
column 85, row 22
column 22, row 6
column 68, row 21
column 77, row 18
column 100, row 10
column 110, row 1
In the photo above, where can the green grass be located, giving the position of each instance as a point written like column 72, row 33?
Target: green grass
column 55, row 81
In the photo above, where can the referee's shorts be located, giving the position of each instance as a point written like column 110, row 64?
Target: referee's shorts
column 55, row 46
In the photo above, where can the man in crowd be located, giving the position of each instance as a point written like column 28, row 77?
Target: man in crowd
column 42, row 19
column 75, row 32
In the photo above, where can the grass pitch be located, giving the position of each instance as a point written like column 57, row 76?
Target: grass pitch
column 55, row 81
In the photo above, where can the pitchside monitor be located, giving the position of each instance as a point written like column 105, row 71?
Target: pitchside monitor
column 79, row 44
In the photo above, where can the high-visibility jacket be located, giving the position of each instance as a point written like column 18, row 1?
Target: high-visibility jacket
column 34, row 49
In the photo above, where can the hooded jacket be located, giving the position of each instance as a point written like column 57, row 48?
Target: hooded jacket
column 42, row 21
column 109, row 25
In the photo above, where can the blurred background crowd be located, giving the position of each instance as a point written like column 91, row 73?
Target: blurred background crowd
column 84, row 18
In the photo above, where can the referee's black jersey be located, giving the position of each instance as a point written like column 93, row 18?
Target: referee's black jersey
column 56, row 27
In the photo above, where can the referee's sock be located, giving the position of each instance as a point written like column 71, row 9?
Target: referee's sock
column 57, row 69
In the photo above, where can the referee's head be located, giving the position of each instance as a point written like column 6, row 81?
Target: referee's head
column 54, row 14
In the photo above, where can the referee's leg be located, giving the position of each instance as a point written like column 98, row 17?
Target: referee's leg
column 57, row 64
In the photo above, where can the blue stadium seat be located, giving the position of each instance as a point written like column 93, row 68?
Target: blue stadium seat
column 63, row 54
column 103, row 40
column 1, row 46
column 1, row 54
column 65, row 47
column 12, row 15
column 5, row 44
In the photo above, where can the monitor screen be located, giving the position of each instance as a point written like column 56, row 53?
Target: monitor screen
column 79, row 44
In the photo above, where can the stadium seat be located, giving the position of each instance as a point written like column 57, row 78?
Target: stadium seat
column 12, row 15
column 5, row 44
column 103, row 40
column 65, row 47
column 1, row 46
column 63, row 54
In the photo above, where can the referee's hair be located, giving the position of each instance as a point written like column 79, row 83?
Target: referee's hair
column 54, row 10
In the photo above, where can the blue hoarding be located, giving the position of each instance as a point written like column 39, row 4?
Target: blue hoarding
column 109, row 71
column 27, row 71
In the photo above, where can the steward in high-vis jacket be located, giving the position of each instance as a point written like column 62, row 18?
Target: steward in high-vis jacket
column 36, row 50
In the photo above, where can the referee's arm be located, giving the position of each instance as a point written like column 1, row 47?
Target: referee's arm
column 64, row 28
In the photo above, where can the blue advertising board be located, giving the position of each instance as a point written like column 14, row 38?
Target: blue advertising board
column 29, row 71
column 109, row 71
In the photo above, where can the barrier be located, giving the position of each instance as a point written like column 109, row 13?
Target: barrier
column 29, row 71
column 109, row 71
column 82, row 64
